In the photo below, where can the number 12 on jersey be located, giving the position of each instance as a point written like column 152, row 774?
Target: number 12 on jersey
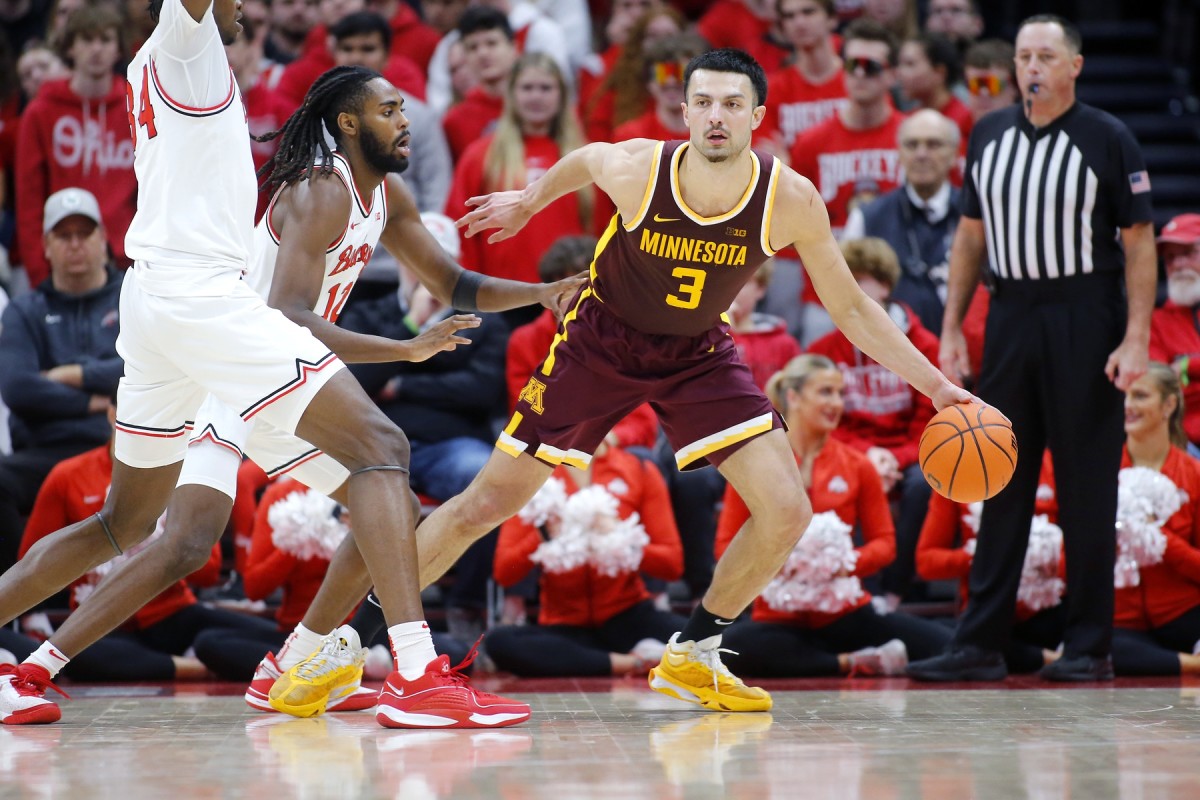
column 145, row 113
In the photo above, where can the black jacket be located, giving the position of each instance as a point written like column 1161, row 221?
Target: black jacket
column 45, row 328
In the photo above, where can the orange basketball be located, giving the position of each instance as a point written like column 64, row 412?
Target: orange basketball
column 968, row 452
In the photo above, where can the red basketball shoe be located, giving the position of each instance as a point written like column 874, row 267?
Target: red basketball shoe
column 23, row 695
column 444, row 698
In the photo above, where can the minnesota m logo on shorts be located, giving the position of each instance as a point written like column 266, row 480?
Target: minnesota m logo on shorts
column 532, row 394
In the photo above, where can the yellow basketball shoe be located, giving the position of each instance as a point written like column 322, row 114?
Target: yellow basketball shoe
column 693, row 672
column 329, row 674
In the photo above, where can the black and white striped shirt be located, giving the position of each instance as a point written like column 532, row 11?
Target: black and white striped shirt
column 1053, row 199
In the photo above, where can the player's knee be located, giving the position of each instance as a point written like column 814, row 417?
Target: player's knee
column 382, row 444
column 189, row 554
column 786, row 519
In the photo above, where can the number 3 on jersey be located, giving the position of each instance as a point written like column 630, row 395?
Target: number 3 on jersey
column 145, row 114
column 690, row 288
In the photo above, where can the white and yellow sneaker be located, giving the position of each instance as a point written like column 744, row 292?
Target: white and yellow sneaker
column 693, row 672
column 333, row 672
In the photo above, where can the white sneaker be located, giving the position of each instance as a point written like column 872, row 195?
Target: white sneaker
column 888, row 659
column 23, row 696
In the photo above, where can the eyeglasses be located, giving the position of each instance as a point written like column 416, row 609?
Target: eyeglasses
column 989, row 84
column 868, row 66
column 665, row 71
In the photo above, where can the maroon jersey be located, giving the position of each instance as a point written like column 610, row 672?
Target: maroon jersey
column 672, row 271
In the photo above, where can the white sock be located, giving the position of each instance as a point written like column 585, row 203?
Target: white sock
column 412, row 645
column 301, row 644
column 49, row 658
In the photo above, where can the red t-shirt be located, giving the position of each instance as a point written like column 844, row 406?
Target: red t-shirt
column 75, row 490
column 847, row 166
column 797, row 105
column 515, row 258
column 843, row 481
column 470, row 119
column 584, row 596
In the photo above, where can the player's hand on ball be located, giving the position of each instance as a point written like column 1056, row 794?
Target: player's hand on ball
column 442, row 336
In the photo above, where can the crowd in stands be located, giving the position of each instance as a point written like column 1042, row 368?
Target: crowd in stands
column 873, row 102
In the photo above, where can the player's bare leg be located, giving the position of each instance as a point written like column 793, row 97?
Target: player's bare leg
column 135, row 502
column 764, row 474
column 500, row 490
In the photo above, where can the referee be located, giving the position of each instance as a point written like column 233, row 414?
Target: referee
column 1057, row 197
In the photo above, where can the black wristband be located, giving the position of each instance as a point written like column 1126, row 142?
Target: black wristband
column 466, row 291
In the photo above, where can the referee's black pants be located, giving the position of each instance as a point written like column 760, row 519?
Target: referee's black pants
column 1043, row 366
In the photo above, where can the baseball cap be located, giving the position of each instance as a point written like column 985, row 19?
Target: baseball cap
column 1183, row 229
column 444, row 231
column 69, row 202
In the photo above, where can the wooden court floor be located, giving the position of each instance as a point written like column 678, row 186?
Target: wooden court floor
column 612, row 740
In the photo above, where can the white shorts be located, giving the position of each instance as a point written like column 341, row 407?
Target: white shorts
column 220, row 438
column 177, row 350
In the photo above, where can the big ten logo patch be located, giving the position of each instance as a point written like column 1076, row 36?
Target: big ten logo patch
column 532, row 394
column 738, row 232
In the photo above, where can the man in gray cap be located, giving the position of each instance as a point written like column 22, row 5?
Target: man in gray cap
column 58, row 358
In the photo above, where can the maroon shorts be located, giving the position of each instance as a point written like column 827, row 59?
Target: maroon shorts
column 599, row 369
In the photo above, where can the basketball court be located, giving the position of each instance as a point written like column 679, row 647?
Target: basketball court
column 826, row 739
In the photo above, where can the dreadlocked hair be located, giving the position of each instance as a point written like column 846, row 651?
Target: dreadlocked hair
column 303, row 136
column 155, row 9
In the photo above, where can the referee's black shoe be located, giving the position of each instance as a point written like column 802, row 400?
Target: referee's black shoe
column 962, row 662
column 1079, row 668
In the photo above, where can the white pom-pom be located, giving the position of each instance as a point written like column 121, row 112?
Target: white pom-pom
column 812, row 579
column 973, row 516
column 1040, row 585
column 561, row 554
column 1146, row 499
column 546, row 505
column 620, row 550
column 304, row 526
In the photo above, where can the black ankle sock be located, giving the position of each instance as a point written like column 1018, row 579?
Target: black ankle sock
column 703, row 624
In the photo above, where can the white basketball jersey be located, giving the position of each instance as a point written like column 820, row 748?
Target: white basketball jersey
column 345, row 256
column 196, row 185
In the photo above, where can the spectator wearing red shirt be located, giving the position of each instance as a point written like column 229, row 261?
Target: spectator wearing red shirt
column 362, row 29
column 813, row 87
column 410, row 35
column 1175, row 327
column 536, row 129
column 929, row 66
column 489, row 53
column 885, row 417
column 1158, row 618
column 665, row 61
column 744, row 24
column 946, row 549
column 76, row 133
column 152, row 645
column 852, row 157
column 853, row 639
column 622, row 95
column 592, row 620
column 290, row 23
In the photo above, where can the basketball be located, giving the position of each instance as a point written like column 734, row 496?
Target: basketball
column 968, row 452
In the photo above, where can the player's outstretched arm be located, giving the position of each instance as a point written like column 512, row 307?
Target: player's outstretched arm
column 619, row 170
column 800, row 218
column 406, row 238
column 309, row 215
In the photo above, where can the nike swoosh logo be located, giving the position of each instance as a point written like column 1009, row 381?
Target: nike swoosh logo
column 392, row 688
column 353, row 225
column 658, row 218
column 58, row 655
column 725, row 621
